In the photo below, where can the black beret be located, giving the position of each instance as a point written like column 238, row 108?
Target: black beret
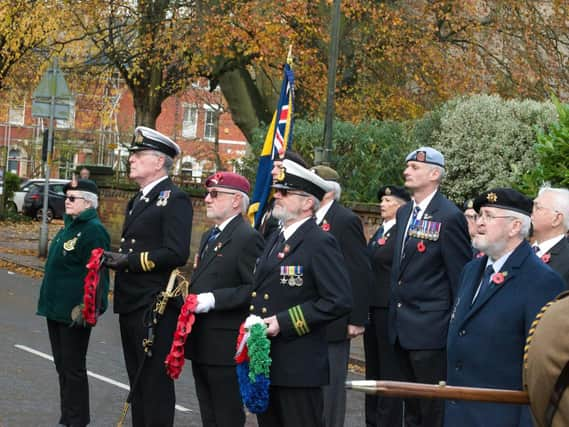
column 393, row 190
column 504, row 198
column 82, row 185
column 468, row 204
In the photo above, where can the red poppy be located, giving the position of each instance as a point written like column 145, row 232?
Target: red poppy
column 498, row 278
column 325, row 227
column 421, row 246
column 381, row 241
column 480, row 254
column 545, row 258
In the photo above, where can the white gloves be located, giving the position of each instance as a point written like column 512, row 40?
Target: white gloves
column 206, row 302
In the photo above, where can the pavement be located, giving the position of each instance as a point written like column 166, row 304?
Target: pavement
column 19, row 249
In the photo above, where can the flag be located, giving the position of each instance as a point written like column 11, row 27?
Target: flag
column 277, row 141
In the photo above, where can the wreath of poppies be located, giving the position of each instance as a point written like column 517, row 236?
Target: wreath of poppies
column 175, row 360
column 89, row 306
column 253, row 364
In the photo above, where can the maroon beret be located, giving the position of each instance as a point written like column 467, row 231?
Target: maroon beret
column 228, row 180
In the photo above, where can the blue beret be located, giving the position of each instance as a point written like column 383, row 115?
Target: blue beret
column 426, row 155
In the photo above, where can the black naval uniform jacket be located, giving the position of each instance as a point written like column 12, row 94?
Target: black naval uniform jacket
column 304, row 283
column 226, row 270
column 381, row 256
column 424, row 281
column 156, row 236
column 559, row 258
column 347, row 228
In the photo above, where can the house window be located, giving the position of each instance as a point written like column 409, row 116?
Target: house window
column 209, row 131
column 70, row 123
column 16, row 115
column 14, row 160
column 190, row 122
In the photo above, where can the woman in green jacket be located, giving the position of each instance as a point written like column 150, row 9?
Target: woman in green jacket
column 62, row 292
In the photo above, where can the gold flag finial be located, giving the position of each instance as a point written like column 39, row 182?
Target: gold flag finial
column 289, row 56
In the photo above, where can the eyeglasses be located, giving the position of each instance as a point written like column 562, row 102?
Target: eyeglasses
column 285, row 192
column 73, row 198
column 486, row 217
column 472, row 217
column 214, row 193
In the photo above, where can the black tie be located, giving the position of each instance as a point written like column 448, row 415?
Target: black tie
column 278, row 243
column 136, row 199
column 485, row 283
column 377, row 235
column 535, row 248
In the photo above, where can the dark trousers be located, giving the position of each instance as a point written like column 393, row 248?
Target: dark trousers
column 422, row 366
column 293, row 407
column 218, row 394
column 69, row 349
column 381, row 364
column 334, row 394
column 154, row 396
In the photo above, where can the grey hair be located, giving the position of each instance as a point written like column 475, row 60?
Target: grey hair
column 315, row 203
column 442, row 172
column 92, row 198
column 168, row 161
column 336, row 189
column 244, row 202
column 560, row 202
column 524, row 219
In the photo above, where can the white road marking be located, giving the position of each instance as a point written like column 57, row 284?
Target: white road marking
column 91, row 374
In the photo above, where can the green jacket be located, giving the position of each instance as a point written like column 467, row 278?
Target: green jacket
column 65, row 268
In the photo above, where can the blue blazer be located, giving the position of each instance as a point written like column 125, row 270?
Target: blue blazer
column 424, row 284
column 486, row 339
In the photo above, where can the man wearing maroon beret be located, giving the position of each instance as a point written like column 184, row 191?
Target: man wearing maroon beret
column 223, row 281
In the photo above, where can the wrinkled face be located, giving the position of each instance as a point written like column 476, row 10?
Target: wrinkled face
column 388, row 207
column 75, row 203
column 144, row 164
column 493, row 230
column 543, row 216
column 418, row 175
column 471, row 217
column 289, row 205
column 220, row 203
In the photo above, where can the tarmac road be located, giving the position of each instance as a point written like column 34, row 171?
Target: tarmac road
column 28, row 381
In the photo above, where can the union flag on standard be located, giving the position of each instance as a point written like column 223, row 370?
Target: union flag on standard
column 277, row 141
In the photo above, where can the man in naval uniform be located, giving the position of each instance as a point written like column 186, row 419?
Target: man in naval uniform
column 155, row 240
column 301, row 285
column 223, row 281
column 550, row 219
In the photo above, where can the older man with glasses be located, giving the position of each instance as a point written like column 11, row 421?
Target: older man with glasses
column 499, row 296
column 550, row 219
column 223, row 281
column 301, row 285
column 155, row 240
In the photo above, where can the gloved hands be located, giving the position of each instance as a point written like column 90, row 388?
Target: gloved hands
column 115, row 260
column 206, row 301
column 78, row 321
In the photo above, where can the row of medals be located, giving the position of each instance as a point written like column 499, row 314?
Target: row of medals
column 291, row 275
column 423, row 229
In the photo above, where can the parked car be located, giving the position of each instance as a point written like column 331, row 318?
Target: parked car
column 18, row 197
column 33, row 201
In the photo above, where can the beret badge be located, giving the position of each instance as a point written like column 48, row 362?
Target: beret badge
column 492, row 197
column 421, row 156
column 388, row 191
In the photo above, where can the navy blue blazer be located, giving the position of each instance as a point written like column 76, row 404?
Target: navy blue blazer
column 424, row 283
column 486, row 339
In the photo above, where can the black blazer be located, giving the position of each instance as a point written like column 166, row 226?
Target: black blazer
column 226, row 270
column 559, row 258
column 156, row 236
column 303, row 307
column 381, row 258
column 347, row 228
column 424, row 283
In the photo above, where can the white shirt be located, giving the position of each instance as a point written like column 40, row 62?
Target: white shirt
column 322, row 211
column 148, row 188
column 224, row 223
column 545, row 247
column 289, row 231
column 387, row 225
